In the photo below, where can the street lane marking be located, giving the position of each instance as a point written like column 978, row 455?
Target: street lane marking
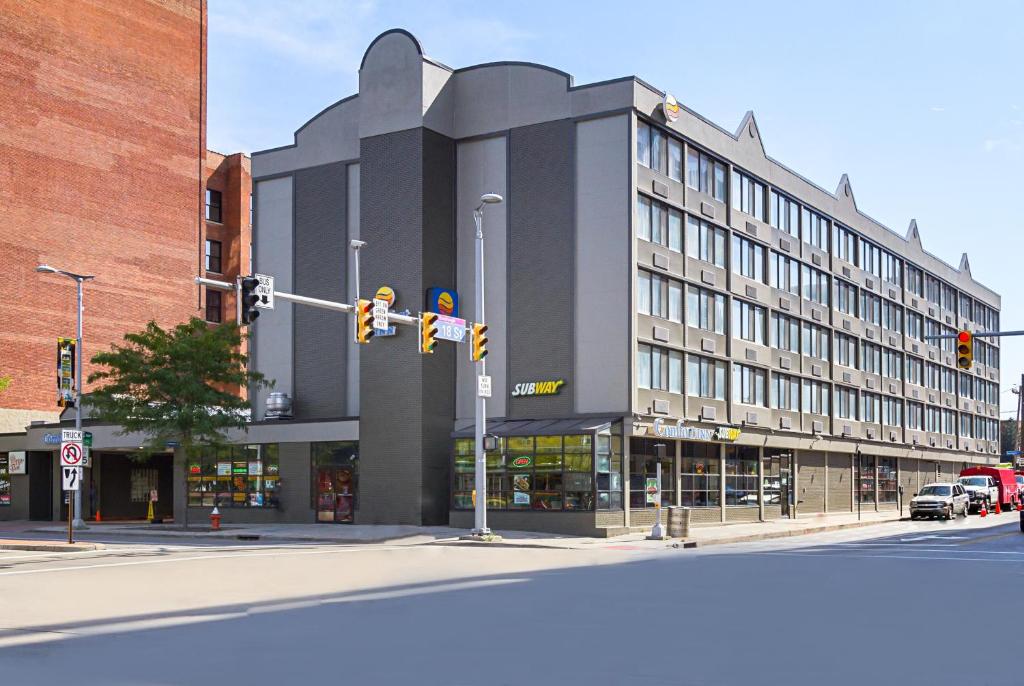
column 907, row 557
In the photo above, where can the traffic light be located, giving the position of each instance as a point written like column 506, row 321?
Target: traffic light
column 247, row 296
column 428, row 333
column 479, row 349
column 364, row 321
column 964, row 349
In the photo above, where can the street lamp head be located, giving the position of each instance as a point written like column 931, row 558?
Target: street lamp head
column 46, row 269
column 490, row 199
column 355, row 243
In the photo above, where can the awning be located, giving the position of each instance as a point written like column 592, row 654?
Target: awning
column 539, row 427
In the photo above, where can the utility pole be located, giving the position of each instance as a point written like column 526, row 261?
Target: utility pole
column 1020, row 414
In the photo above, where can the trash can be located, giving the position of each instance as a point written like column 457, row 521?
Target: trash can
column 679, row 522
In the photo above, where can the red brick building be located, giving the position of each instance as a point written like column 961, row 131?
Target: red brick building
column 102, row 169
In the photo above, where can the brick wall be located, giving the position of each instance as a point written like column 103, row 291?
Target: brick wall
column 99, row 174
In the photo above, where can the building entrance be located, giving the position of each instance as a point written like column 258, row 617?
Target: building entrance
column 40, row 486
column 777, row 470
column 125, row 483
column 335, row 477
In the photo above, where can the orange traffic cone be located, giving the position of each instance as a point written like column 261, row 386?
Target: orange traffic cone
column 98, row 519
column 998, row 510
column 984, row 509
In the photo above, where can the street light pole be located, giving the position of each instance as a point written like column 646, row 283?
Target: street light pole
column 80, row 279
column 480, row 520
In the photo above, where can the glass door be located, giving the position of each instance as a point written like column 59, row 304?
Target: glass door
column 335, row 498
column 786, row 484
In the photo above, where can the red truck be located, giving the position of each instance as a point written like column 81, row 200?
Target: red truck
column 1005, row 481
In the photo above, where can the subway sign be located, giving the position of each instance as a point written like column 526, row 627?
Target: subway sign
column 695, row 433
column 534, row 388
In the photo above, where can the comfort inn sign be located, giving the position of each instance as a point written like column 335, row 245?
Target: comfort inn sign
column 694, row 433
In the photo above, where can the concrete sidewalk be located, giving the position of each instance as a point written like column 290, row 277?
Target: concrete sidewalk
column 414, row 535
column 48, row 546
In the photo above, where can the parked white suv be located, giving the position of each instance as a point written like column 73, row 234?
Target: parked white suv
column 980, row 489
column 940, row 500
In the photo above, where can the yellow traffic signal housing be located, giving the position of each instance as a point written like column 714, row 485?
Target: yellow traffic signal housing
column 364, row 321
column 964, row 349
column 479, row 349
column 428, row 333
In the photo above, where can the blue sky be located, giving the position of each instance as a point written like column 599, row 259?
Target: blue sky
column 921, row 103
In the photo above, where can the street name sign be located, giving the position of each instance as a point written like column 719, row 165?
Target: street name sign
column 451, row 328
column 72, row 478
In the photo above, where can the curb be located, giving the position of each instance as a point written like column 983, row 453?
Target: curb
column 53, row 547
column 768, row 535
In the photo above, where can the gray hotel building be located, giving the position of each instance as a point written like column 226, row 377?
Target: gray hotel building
column 686, row 289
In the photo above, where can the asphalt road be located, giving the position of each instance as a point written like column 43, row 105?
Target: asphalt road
column 907, row 603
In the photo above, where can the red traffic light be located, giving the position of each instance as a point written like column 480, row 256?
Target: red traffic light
column 964, row 336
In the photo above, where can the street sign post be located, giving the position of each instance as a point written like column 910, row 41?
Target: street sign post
column 72, row 456
column 451, row 328
column 265, row 291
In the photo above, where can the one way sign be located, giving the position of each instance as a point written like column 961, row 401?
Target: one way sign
column 72, row 478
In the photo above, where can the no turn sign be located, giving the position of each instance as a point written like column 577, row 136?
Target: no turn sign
column 71, row 454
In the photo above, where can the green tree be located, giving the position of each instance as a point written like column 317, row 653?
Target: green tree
column 175, row 385
column 5, row 381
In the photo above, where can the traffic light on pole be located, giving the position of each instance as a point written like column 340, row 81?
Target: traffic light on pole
column 364, row 321
column 428, row 333
column 249, row 298
column 479, row 349
column 964, row 349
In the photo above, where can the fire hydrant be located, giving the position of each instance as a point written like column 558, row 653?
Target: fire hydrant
column 215, row 519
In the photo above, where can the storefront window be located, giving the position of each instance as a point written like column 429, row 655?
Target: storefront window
column 335, row 479
column 701, row 485
column 234, row 476
column 539, row 473
column 866, row 473
column 609, row 469
column 741, row 476
column 5, row 481
column 888, row 483
column 643, row 465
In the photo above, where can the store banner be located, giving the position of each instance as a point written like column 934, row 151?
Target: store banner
column 66, row 372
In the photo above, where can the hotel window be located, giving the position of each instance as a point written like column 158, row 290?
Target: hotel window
column 659, row 150
column 967, row 386
column 815, row 397
column 741, row 475
column 870, row 308
column 949, row 422
column 892, row 364
column 748, row 385
column 213, row 261
column 932, row 289
column 870, row 407
column 870, row 258
column 643, row 144
column 966, row 307
column 700, row 485
column 914, row 324
column 814, row 341
column 931, row 376
column 915, row 370
column 892, row 268
column 892, row 411
column 705, row 378
column 892, row 316
column 748, row 322
column 214, row 306
column 846, row 350
column 748, row 258
column 846, row 297
column 785, row 333
column 846, row 403
column 815, row 229
column 659, row 368
column 948, row 379
column 705, row 174
column 815, row 285
column 643, row 217
column 947, row 297
column 947, row 344
column 870, row 358
column 675, row 159
column 915, row 416
column 785, row 273
column 932, row 328
column 651, row 294
column 705, row 309
column 213, row 205
column 747, row 195
column 784, row 214
column 675, row 301
column 652, row 146
column 966, row 430
column 705, row 242
column 844, row 245
column 675, row 371
column 915, row 281
column 785, row 392
column 659, row 223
